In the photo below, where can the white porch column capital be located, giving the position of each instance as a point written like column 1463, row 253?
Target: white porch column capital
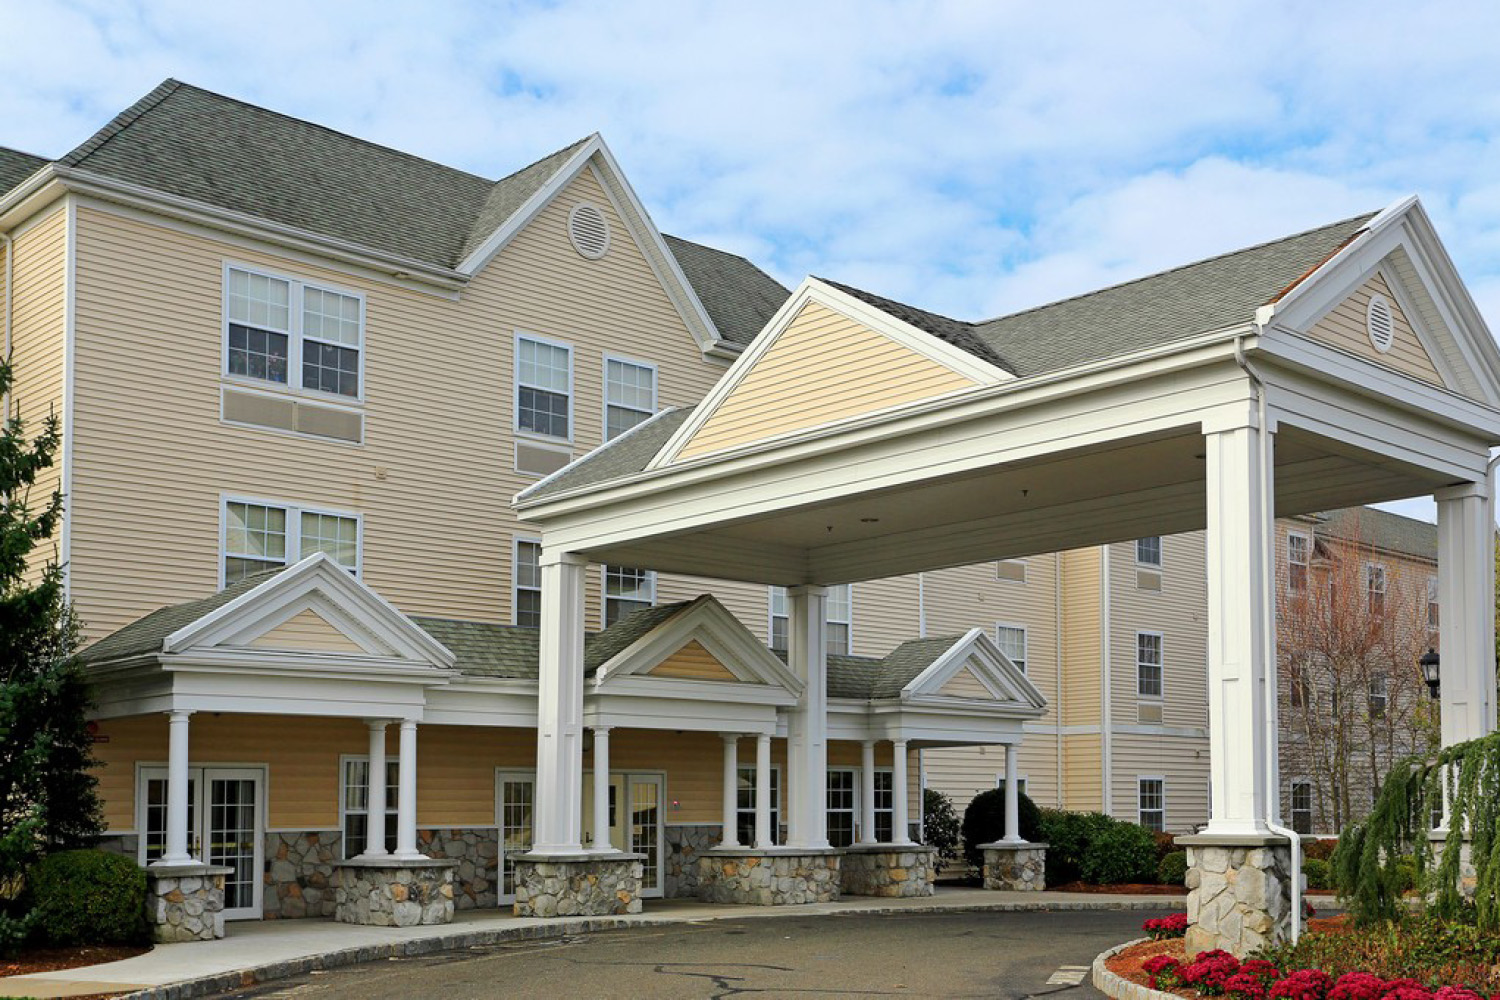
column 375, row 804
column 1466, row 623
column 406, row 792
column 730, row 835
column 1461, row 491
column 807, row 721
column 900, row 822
column 867, row 792
column 176, row 852
column 559, row 730
column 763, row 833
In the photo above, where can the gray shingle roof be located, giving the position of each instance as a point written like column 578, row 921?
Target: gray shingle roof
column 146, row 635
column 16, row 166
column 624, row 456
column 1382, row 530
column 189, row 142
column 739, row 297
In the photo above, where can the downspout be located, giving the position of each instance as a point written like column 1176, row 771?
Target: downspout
column 1268, row 640
column 921, row 605
column 1106, row 713
column 10, row 277
column 1057, row 720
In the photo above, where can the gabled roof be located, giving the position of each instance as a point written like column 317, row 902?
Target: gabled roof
column 16, row 166
column 146, row 635
column 739, row 297
column 1381, row 529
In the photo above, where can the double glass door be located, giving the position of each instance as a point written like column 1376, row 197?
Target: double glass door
column 224, row 828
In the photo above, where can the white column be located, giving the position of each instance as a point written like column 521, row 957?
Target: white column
column 559, row 730
column 1467, row 613
column 1012, row 796
column 730, row 836
column 763, row 833
column 406, row 793
column 899, row 822
column 1239, row 664
column 601, row 789
column 177, row 792
column 806, row 785
column 867, row 790
column 375, row 799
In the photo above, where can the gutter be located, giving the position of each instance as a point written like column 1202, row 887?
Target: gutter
column 10, row 278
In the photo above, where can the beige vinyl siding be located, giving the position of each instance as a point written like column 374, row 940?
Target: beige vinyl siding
column 808, row 377
column 1082, row 653
column 437, row 525
column 749, row 602
column 1082, row 787
column 693, row 662
column 965, row 684
column 963, row 772
column 37, row 343
column 1179, row 611
column 1345, row 328
column 885, row 615
column 307, row 630
column 1183, row 764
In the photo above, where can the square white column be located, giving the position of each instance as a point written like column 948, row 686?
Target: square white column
column 375, row 797
column 867, row 792
column 806, row 787
column 1240, row 662
column 764, row 836
column 176, row 852
column 602, row 842
column 730, row 836
column 559, row 730
column 406, row 793
column 1466, row 622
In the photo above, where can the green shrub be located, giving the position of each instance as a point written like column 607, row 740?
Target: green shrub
column 1316, row 870
column 1120, row 852
column 940, row 826
column 1165, row 843
column 1319, row 848
column 1068, row 836
column 1172, row 869
column 984, row 822
column 88, row 897
column 1406, row 873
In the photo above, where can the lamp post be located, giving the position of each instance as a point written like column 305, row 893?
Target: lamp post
column 1430, row 673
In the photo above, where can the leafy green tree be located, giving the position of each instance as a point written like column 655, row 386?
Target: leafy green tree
column 48, row 799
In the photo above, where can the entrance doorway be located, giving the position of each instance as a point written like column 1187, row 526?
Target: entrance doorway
column 225, row 828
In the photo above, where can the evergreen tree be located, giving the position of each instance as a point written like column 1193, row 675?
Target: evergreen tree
column 47, row 795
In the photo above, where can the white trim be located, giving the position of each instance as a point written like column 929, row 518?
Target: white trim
column 70, row 395
column 604, row 597
column 1160, row 555
column 1306, row 564
column 1370, row 577
column 294, row 512
column 1012, row 689
column 605, row 405
column 515, row 365
column 202, row 773
column 1139, row 812
column 515, row 577
column 1025, row 642
column 604, row 223
column 1161, row 649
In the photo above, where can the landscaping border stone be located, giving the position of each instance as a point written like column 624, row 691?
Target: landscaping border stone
column 1117, row 986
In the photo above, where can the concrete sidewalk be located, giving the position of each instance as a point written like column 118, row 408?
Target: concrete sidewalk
column 257, row 951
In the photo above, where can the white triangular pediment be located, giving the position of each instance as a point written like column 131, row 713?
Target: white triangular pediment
column 314, row 608
column 970, row 669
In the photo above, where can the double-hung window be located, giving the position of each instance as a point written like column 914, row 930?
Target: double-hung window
column 263, row 536
column 1148, row 551
column 1302, row 807
column 744, row 813
column 838, row 616
column 1296, row 562
column 544, row 388
column 1379, row 696
column 1148, row 664
column 1152, row 803
column 355, row 796
column 1012, row 642
column 841, row 803
column 527, row 583
column 627, row 590
column 287, row 332
column 1375, row 588
column 1434, row 617
column 629, row 395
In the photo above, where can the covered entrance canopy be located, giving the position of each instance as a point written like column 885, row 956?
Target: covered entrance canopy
column 860, row 438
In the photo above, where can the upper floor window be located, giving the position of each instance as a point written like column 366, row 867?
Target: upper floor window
column 1148, row 664
column 1148, row 551
column 627, row 590
column 838, row 615
column 527, row 583
column 263, row 536
column 544, row 388
column 1012, row 642
column 1434, row 617
column 1375, row 588
column 1302, row 807
column 1296, row 561
column 629, row 395
column 1379, row 696
column 293, row 333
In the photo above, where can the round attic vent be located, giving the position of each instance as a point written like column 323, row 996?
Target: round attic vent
column 1380, row 323
column 589, row 231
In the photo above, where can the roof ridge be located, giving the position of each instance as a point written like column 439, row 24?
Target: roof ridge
column 1360, row 217
column 120, row 122
column 561, row 149
column 22, row 152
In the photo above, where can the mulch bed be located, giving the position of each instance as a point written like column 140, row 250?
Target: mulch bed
column 56, row 959
column 1127, row 964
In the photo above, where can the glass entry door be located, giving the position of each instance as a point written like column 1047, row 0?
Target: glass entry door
column 646, row 829
column 616, row 814
column 513, row 799
column 224, row 828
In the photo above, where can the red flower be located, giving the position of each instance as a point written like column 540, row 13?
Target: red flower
column 1304, row 984
column 1164, row 970
column 1245, row 985
column 1171, row 926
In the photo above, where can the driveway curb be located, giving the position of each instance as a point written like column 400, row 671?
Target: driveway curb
column 1118, row 987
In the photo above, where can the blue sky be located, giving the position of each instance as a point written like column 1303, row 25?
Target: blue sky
column 970, row 158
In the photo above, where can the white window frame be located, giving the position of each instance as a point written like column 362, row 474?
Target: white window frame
column 294, row 334
column 1021, row 782
column 1144, row 563
column 345, row 760
column 1292, row 809
column 604, row 381
column 604, row 597
column 1025, row 642
column 771, row 617
column 1140, row 810
column 294, row 512
column 1161, row 666
column 740, row 812
column 1378, row 693
column 1434, row 621
column 1306, row 562
column 1375, row 571
column 848, row 623
column 515, row 576
column 515, row 409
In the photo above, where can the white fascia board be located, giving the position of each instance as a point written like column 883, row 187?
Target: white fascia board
column 340, row 667
column 716, row 716
column 1455, row 304
column 997, row 673
column 812, row 290
column 1379, row 223
column 522, row 216
column 30, row 196
column 289, row 693
column 243, row 223
column 685, row 689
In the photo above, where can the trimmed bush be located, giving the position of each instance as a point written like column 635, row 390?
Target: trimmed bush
column 940, row 826
column 1316, row 870
column 984, row 822
column 88, row 897
column 1120, row 852
column 1068, row 836
column 1172, row 869
column 1319, row 848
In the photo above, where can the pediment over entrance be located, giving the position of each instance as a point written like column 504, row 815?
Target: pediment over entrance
column 972, row 671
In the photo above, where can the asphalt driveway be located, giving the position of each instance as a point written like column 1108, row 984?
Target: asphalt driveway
column 1005, row 955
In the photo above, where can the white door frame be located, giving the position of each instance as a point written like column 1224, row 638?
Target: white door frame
column 201, row 777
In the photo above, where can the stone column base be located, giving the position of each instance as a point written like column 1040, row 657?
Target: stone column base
column 1468, row 876
column 185, row 902
column 887, row 870
column 578, row 885
column 774, row 876
column 390, row 892
column 1239, row 892
column 1015, row 867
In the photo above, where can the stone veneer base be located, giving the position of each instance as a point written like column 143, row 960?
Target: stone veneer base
column 185, row 902
column 391, row 892
column 1015, row 867
column 578, row 885
column 888, row 870
column 1239, row 892
column 784, row 876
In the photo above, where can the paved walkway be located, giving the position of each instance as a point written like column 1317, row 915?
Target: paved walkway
column 255, row 951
